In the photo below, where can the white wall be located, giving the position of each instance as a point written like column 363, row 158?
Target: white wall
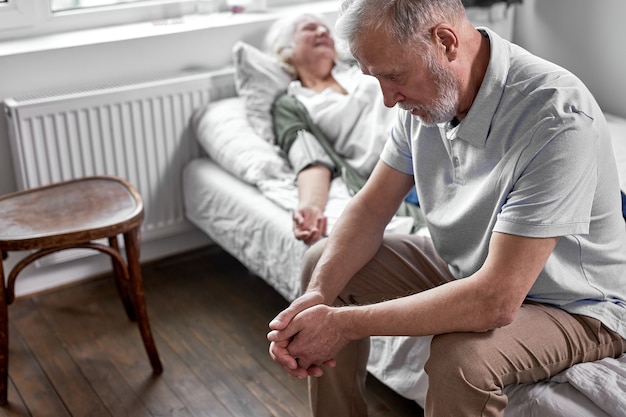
column 587, row 37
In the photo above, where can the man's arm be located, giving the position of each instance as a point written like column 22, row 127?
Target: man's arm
column 359, row 232
column 353, row 242
column 488, row 299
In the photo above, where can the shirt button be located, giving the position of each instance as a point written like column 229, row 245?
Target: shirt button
column 456, row 162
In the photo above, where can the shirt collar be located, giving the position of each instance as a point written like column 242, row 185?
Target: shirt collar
column 476, row 126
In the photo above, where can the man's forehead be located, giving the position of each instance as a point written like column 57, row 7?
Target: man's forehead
column 369, row 45
column 377, row 55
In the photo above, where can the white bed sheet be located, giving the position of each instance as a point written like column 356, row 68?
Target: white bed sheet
column 243, row 222
column 257, row 231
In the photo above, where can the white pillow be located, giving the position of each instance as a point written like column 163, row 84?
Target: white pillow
column 259, row 78
column 224, row 132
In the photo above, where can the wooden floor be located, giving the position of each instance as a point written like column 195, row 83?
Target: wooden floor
column 73, row 352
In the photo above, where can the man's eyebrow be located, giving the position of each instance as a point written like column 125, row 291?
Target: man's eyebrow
column 393, row 72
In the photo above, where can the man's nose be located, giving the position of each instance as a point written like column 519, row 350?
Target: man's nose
column 391, row 97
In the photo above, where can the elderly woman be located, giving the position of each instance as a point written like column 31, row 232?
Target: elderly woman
column 329, row 101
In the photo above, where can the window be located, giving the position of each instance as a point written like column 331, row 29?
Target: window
column 25, row 18
column 60, row 5
column 14, row 13
column 28, row 18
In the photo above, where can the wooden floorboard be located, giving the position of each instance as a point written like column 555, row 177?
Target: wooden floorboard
column 73, row 351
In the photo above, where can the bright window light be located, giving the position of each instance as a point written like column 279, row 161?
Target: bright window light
column 60, row 5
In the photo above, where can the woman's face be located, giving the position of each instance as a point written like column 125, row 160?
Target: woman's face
column 312, row 42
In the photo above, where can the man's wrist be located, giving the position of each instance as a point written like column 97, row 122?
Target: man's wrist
column 348, row 319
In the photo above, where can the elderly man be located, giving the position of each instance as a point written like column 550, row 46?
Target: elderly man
column 524, row 273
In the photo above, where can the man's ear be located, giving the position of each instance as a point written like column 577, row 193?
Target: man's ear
column 446, row 40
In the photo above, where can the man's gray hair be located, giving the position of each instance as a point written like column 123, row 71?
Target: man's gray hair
column 407, row 21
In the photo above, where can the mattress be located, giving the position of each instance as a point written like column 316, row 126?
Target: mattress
column 257, row 231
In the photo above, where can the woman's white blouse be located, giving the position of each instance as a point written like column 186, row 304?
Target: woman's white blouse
column 357, row 123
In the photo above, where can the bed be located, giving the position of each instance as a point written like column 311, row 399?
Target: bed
column 241, row 192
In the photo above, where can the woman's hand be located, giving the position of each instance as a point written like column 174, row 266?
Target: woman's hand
column 309, row 223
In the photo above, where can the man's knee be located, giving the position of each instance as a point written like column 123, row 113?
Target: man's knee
column 459, row 365
column 461, row 358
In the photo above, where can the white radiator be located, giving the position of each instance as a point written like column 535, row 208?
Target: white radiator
column 138, row 131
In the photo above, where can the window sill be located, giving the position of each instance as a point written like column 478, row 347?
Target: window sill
column 183, row 24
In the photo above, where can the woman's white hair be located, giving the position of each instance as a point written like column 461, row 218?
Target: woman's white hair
column 279, row 41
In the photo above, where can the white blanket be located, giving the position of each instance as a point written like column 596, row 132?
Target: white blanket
column 603, row 382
